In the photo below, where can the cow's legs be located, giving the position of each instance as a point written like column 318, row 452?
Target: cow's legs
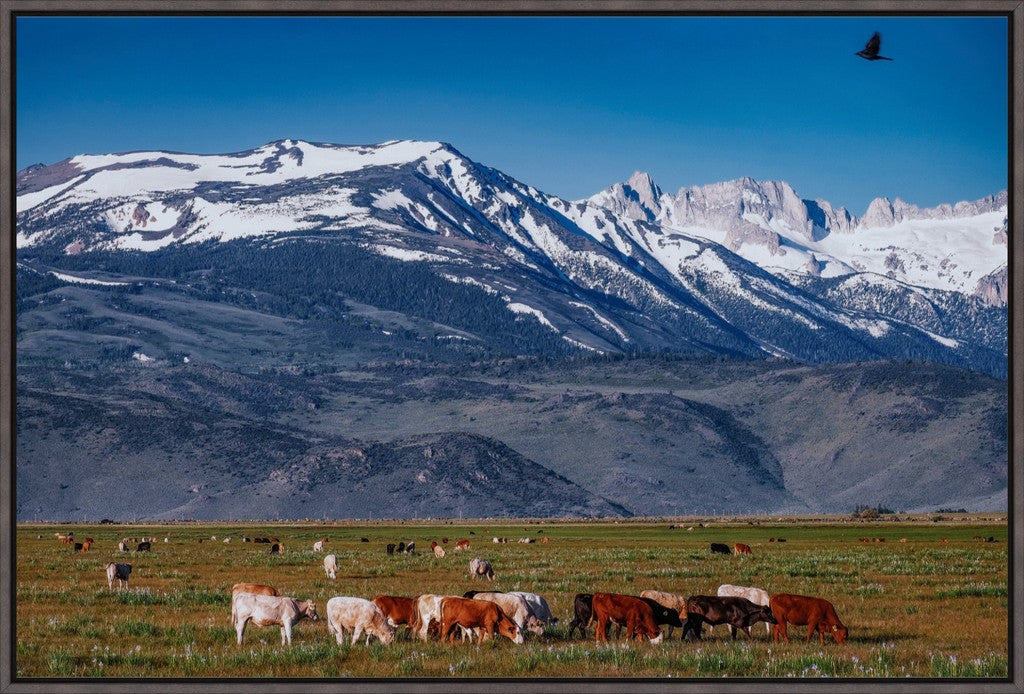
column 240, row 630
column 811, row 628
column 601, row 632
column 357, row 631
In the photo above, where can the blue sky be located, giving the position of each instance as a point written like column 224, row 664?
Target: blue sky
column 567, row 104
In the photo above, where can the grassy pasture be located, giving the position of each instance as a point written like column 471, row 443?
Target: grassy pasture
column 921, row 608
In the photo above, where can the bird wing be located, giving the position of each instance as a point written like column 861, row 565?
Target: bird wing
column 874, row 44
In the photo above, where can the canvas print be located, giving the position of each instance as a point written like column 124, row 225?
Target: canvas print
column 411, row 347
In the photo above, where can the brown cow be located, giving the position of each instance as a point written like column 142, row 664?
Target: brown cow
column 461, row 545
column 397, row 609
column 636, row 614
column 817, row 614
column 739, row 548
column 476, row 614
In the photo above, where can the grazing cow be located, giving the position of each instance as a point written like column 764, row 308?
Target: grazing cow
column 120, row 573
column 122, row 546
column 246, row 539
column 817, row 614
column 433, row 544
column 428, row 609
column 903, row 539
column 669, row 600
column 77, row 547
column 527, row 540
column 538, row 606
column 758, row 596
column 583, row 613
column 410, row 548
column 978, row 538
column 167, row 539
column 277, row 548
column 318, row 546
column 480, row 567
column 941, row 539
column 545, row 540
column 391, row 549
column 444, row 540
column 143, row 547
column 515, row 607
column 461, row 545
column 863, row 539
column 771, row 539
column 739, row 613
column 496, row 540
column 740, row 548
column 226, row 540
column 719, row 548
column 364, row 539
column 990, row 538
column 476, row 614
column 781, row 539
column 401, row 548
column 89, row 540
column 331, row 566
column 472, row 532
column 398, row 610
column 357, row 615
column 266, row 610
column 439, row 551
column 68, row 539
column 635, row 613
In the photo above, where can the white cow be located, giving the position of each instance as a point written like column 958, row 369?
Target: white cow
column 439, row 551
column 227, row 540
column 669, row 600
column 265, row 610
column 757, row 596
column 318, row 546
column 516, row 608
column 120, row 573
column 480, row 567
column 538, row 606
column 331, row 566
column 428, row 607
column 357, row 615
column 122, row 546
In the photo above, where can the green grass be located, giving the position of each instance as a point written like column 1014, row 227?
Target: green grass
column 904, row 603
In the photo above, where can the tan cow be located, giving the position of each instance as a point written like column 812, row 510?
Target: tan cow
column 267, row 610
column 357, row 615
column 515, row 607
column 428, row 609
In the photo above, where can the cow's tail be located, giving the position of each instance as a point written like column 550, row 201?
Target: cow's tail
column 417, row 622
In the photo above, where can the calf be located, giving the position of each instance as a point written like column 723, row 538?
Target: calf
column 461, row 545
column 817, row 614
column 120, row 573
column 357, row 615
column 636, row 614
column 480, row 567
column 754, row 595
column 439, row 551
column 318, row 546
column 397, row 609
column 583, row 613
column 331, row 566
column 476, row 614
column 277, row 548
column 719, row 548
column 391, row 549
column 737, row 612
column 265, row 610
column 740, row 548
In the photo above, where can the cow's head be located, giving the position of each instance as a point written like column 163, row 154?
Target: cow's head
column 509, row 629
column 840, row 632
column 765, row 615
column 657, row 636
column 308, row 610
column 666, row 615
column 534, row 626
column 386, row 633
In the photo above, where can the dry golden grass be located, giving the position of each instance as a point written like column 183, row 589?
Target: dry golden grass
column 921, row 608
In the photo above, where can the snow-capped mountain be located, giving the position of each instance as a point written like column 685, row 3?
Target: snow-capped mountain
column 743, row 268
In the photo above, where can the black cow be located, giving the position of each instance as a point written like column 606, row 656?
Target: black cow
column 143, row 547
column 739, row 613
column 275, row 548
column 364, row 539
column 401, row 548
column 410, row 548
column 470, row 593
column 662, row 615
column 391, row 549
column 719, row 548
column 583, row 612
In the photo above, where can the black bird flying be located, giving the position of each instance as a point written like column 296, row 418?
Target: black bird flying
column 870, row 51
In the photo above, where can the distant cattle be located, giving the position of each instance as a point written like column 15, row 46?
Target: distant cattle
column 246, row 539
column 758, row 596
column 261, row 540
column 433, row 544
column 817, row 614
column 410, row 548
column 390, row 549
column 444, row 540
column 277, row 548
column 485, row 616
column 515, row 607
column 65, row 539
column 863, row 539
column 364, row 539
column 318, row 546
column 118, row 572
column 461, row 545
column 401, row 548
column 990, row 538
column 331, row 566
column 771, row 539
column 583, row 613
column 527, row 540
column 77, row 547
column 122, row 546
column 267, row 610
column 740, row 548
column 358, row 616
column 903, row 539
column 398, row 610
column 634, row 613
column 719, row 548
column 545, row 540
column 780, row 539
column 738, row 613
column 143, row 547
column 254, row 588
column 480, row 567
column 439, row 551
column 226, row 540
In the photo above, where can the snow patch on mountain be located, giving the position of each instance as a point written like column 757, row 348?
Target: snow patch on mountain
column 517, row 307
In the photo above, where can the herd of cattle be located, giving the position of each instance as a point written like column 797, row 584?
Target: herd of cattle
column 485, row 614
